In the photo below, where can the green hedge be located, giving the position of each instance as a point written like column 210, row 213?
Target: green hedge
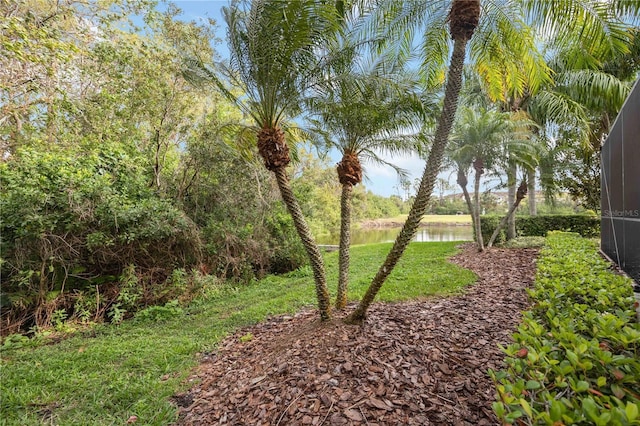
column 538, row 226
column 576, row 359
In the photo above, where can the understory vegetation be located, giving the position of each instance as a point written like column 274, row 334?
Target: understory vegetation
column 86, row 239
column 109, row 373
column 122, row 186
column 575, row 359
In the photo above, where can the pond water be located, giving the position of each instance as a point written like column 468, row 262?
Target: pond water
column 383, row 235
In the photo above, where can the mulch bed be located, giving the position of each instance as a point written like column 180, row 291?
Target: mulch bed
column 415, row 363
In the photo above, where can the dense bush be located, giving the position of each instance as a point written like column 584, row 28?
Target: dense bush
column 537, row 226
column 246, row 250
column 75, row 219
column 245, row 227
column 576, row 357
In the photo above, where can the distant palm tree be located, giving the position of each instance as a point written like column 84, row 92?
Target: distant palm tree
column 273, row 46
column 364, row 114
column 566, row 107
column 476, row 141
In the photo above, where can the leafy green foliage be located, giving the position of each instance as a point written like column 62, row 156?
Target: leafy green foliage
column 575, row 359
column 160, row 313
column 525, row 242
column 73, row 218
column 537, row 226
column 114, row 372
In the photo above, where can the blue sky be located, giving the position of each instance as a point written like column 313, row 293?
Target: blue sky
column 379, row 179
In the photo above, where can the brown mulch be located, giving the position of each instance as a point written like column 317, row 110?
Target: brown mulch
column 415, row 363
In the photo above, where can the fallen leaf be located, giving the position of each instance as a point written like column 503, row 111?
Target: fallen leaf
column 257, row 379
column 379, row 404
column 353, row 415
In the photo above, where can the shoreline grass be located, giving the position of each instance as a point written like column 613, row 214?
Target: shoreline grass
column 113, row 372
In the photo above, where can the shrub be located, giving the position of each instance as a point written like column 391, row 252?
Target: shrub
column 286, row 250
column 74, row 218
column 537, row 226
column 576, row 356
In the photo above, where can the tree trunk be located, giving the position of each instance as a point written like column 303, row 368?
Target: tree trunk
column 345, row 243
column 511, row 181
column 521, row 193
column 476, row 209
column 310, row 246
column 462, row 181
column 531, row 192
column 454, row 81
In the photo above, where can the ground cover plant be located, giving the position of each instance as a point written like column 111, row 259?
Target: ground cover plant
column 114, row 372
column 577, row 353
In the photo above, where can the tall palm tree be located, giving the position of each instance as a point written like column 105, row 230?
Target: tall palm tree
column 504, row 53
column 463, row 20
column 364, row 114
column 273, row 60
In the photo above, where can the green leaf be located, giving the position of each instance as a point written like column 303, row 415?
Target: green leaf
column 498, row 408
column 526, row 407
column 617, row 391
column 573, row 358
column 582, row 386
column 557, row 408
column 589, row 406
column 533, row 384
column 631, row 410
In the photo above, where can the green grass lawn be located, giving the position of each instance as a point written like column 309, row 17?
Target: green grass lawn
column 113, row 372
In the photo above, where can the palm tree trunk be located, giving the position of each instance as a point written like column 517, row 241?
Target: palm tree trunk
column 511, row 199
column 476, row 202
column 315, row 257
column 419, row 207
column 521, row 193
column 531, row 191
column 462, row 181
column 345, row 243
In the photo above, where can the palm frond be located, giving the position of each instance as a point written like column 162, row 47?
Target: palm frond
column 594, row 89
column 505, row 52
column 273, row 52
column 597, row 25
column 551, row 107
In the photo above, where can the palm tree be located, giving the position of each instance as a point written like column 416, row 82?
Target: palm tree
column 566, row 107
column 476, row 141
column 363, row 114
column 463, row 20
column 504, row 54
column 521, row 192
column 273, row 61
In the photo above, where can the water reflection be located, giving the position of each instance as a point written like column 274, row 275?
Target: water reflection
column 382, row 235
